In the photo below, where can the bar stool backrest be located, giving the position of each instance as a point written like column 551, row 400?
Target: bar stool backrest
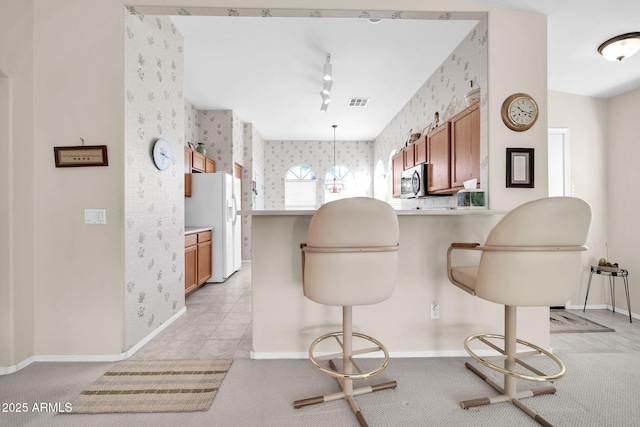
column 533, row 255
column 351, row 256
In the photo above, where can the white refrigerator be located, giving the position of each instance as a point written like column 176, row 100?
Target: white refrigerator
column 214, row 202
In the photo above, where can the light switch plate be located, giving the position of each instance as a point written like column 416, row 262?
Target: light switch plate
column 95, row 216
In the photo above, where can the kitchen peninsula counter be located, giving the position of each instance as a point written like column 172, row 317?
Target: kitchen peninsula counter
column 285, row 322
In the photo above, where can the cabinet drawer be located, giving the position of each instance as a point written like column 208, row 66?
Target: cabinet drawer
column 205, row 236
column 190, row 240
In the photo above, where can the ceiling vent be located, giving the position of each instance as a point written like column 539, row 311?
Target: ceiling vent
column 358, row 102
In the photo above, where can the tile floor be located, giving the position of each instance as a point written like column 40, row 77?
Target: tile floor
column 217, row 324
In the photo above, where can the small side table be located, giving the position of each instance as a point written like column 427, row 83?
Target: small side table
column 612, row 273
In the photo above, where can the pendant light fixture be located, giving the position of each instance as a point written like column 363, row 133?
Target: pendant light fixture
column 620, row 47
column 335, row 188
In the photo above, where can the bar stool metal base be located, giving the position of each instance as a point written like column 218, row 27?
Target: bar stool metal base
column 346, row 376
column 508, row 391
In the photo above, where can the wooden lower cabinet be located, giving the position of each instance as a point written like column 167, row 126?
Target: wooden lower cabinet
column 197, row 259
column 190, row 262
column 204, row 256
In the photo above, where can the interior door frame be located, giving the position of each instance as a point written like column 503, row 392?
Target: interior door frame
column 564, row 134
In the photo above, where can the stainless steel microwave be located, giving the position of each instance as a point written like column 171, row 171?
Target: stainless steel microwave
column 414, row 182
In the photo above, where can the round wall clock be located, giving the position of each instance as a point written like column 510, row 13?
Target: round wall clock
column 519, row 112
column 162, row 154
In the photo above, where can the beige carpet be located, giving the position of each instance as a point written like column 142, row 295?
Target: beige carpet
column 154, row 386
column 564, row 322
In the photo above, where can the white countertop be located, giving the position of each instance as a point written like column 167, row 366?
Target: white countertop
column 192, row 230
column 421, row 212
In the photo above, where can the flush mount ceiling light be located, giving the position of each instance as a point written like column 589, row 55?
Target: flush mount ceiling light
column 620, row 47
column 327, row 84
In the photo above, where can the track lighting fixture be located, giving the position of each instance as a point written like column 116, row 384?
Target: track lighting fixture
column 327, row 84
column 327, row 75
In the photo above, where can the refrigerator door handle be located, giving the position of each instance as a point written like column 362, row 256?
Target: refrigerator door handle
column 234, row 211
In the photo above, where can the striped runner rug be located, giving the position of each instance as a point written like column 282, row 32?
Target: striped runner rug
column 154, row 386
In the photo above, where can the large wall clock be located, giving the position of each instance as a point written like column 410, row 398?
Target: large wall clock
column 162, row 154
column 519, row 112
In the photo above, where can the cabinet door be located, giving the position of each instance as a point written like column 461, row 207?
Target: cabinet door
column 420, row 150
column 438, row 158
column 465, row 146
column 397, row 165
column 409, row 157
column 190, row 268
column 187, row 172
column 204, row 261
column 198, row 162
column 209, row 165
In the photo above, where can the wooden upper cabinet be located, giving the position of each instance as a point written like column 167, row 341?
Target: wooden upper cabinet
column 187, row 172
column 409, row 156
column 397, row 166
column 420, row 150
column 198, row 162
column 465, row 146
column 209, row 165
column 438, row 143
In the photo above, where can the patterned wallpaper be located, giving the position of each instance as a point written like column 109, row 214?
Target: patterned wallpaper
column 154, row 205
column 191, row 123
column 281, row 155
column 253, row 163
column 446, row 86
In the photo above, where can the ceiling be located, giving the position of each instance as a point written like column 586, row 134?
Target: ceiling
column 268, row 71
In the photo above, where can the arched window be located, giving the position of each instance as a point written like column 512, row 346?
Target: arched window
column 300, row 188
column 339, row 183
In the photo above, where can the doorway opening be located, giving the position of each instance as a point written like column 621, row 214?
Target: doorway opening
column 558, row 159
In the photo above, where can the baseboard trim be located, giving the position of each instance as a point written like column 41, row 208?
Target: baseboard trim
column 92, row 357
column 603, row 307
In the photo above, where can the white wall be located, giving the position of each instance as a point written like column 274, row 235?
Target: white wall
column 72, row 275
column 586, row 118
column 17, row 174
column 622, row 152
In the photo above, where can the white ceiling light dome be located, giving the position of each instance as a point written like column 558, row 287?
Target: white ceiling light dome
column 620, row 47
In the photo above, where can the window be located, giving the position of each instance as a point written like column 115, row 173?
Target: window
column 339, row 183
column 300, row 188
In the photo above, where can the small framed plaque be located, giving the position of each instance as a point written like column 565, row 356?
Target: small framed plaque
column 81, row 155
column 520, row 167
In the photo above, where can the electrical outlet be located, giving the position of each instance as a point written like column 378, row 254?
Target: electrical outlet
column 435, row 311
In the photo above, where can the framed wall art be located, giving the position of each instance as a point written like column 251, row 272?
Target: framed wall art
column 520, row 167
column 81, row 155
